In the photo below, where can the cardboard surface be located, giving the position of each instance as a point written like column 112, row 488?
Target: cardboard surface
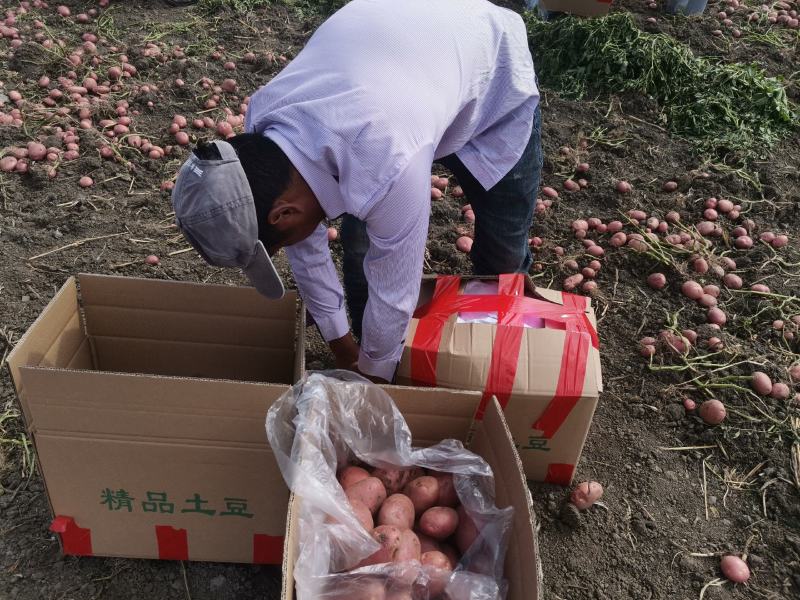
column 492, row 440
column 465, row 360
column 146, row 400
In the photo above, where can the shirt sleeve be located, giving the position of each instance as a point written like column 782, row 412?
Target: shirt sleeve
column 319, row 284
column 398, row 229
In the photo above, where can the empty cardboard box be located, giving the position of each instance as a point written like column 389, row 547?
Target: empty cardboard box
column 542, row 361
column 436, row 414
column 146, row 402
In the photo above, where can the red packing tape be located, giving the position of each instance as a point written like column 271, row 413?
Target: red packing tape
column 425, row 348
column 267, row 549
column 510, row 304
column 559, row 473
column 503, row 370
column 75, row 540
column 172, row 543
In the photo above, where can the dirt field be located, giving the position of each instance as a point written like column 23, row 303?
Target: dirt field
column 679, row 493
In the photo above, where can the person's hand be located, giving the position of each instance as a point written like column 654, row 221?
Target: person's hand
column 530, row 287
column 345, row 351
column 372, row 378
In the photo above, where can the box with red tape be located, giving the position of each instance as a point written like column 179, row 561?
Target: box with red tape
column 539, row 355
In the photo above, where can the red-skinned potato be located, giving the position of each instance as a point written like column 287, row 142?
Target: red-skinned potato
column 409, row 548
column 466, row 532
column 447, row 491
column 370, row 491
column 712, row 412
column 435, row 583
column 424, row 492
column 439, row 522
column 450, row 553
column 363, row 514
column 393, row 480
column 761, row 383
column 350, row 475
column 389, row 538
column 436, row 559
column 397, row 510
column 585, row 494
column 734, row 569
column 427, row 544
column 362, row 588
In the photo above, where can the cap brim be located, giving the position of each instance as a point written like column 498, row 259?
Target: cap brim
column 263, row 275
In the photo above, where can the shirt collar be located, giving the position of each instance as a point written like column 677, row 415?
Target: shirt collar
column 324, row 185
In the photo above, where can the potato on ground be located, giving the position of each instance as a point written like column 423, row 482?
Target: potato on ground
column 447, row 490
column 370, row 491
column 439, row 522
column 424, row 492
column 351, row 475
column 397, row 510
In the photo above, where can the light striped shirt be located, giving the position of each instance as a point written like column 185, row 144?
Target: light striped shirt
column 381, row 90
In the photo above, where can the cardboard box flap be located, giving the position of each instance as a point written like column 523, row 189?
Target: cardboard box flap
column 549, row 295
column 188, row 326
column 290, row 548
column 493, row 441
column 181, row 296
column 36, row 346
column 188, row 359
column 434, row 414
column 300, row 342
column 142, row 407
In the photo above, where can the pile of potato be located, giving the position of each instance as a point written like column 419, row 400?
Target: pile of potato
column 413, row 515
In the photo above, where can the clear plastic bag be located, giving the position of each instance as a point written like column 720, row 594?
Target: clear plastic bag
column 335, row 418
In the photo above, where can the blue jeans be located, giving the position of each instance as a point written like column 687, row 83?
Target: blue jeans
column 503, row 218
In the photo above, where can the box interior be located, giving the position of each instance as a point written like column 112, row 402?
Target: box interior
column 156, row 327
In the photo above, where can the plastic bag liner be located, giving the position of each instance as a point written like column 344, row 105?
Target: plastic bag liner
column 334, row 418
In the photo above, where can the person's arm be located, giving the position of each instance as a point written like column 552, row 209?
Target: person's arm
column 398, row 229
column 321, row 290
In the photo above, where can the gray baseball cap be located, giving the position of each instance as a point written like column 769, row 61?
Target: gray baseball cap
column 214, row 209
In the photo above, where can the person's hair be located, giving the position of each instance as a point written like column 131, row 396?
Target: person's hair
column 268, row 171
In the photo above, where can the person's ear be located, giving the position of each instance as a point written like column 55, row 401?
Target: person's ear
column 281, row 216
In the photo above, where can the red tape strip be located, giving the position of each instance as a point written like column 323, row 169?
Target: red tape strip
column 503, row 365
column 425, row 348
column 267, row 549
column 511, row 304
column 75, row 540
column 559, row 473
column 172, row 543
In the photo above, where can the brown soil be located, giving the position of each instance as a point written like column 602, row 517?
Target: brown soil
column 660, row 529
